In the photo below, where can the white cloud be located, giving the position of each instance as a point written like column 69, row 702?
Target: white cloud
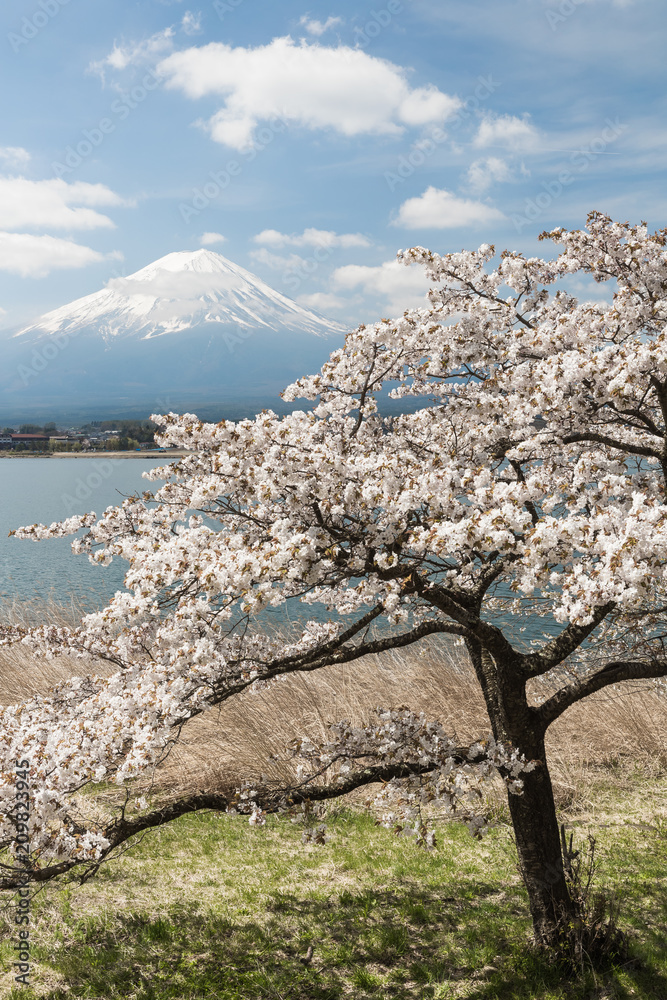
column 276, row 262
column 322, row 302
column 53, row 204
column 180, row 292
column 209, row 239
column 173, row 284
column 483, row 173
column 312, row 238
column 440, row 209
column 506, row 130
column 427, row 104
column 305, row 84
column 36, row 256
column 317, row 28
column 14, row 156
column 135, row 53
column 191, row 23
column 396, row 286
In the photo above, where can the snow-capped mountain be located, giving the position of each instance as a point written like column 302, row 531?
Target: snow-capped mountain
column 176, row 293
column 192, row 330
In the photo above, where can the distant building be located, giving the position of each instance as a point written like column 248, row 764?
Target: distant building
column 31, row 442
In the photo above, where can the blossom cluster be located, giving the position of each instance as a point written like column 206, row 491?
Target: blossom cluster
column 444, row 775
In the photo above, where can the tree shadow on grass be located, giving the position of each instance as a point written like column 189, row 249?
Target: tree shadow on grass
column 401, row 943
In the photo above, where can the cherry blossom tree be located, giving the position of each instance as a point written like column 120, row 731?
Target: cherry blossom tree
column 520, row 510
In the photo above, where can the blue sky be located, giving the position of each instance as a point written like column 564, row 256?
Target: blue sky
column 309, row 142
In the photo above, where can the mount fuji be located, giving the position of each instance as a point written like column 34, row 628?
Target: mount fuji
column 192, row 330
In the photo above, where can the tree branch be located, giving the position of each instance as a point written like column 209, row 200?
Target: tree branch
column 268, row 800
column 472, row 625
column 611, row 673
column 631, row 449
column 348, row 653
column 563, row 645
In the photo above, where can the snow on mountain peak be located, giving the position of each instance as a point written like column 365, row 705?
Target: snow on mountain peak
column 181, row 290
column 204, row 261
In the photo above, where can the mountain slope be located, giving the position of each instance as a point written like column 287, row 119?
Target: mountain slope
column 177, row 292
column 190, row 331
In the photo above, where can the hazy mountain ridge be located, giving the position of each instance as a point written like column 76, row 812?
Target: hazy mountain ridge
column 191, row 329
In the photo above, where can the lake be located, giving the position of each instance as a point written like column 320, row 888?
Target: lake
column 44, row 490
column 50, row 489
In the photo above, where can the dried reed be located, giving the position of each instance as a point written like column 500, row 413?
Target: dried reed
column 239, row 738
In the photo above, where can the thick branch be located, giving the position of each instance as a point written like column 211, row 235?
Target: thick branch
column 346, row 654
column 631, row 449
column 268, row 800
column 611, row 673
column 563, row 645
column 472, row 625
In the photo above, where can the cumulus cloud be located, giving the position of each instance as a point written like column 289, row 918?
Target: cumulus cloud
column 135, row 53
column 396, row 286
column 305, row 84
column 312, row 238
column 54, row 204
column 173, row 285
column 36, row 256
column 191, row 23
column 322, row 302
column 506, row 130
column 275, row 261
column 317, row 28
column 14, row 156
column 210, row 239
column 437, row 208
column 483, row 173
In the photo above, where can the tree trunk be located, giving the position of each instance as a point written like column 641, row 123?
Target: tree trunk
column 533, row 813
column 539, row 850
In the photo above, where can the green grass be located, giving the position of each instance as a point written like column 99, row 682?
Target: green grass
column 212, row 908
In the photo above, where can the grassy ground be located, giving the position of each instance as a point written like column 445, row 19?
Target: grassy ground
column 211, row 907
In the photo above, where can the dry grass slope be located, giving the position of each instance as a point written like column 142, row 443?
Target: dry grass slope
column 626, row 726
column 210, row 906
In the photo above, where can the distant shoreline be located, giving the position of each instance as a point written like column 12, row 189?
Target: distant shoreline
column 166, row 455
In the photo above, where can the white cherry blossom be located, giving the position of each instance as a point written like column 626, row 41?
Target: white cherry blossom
column 529, row 484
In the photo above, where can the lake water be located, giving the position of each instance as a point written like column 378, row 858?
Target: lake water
column 44, row 490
